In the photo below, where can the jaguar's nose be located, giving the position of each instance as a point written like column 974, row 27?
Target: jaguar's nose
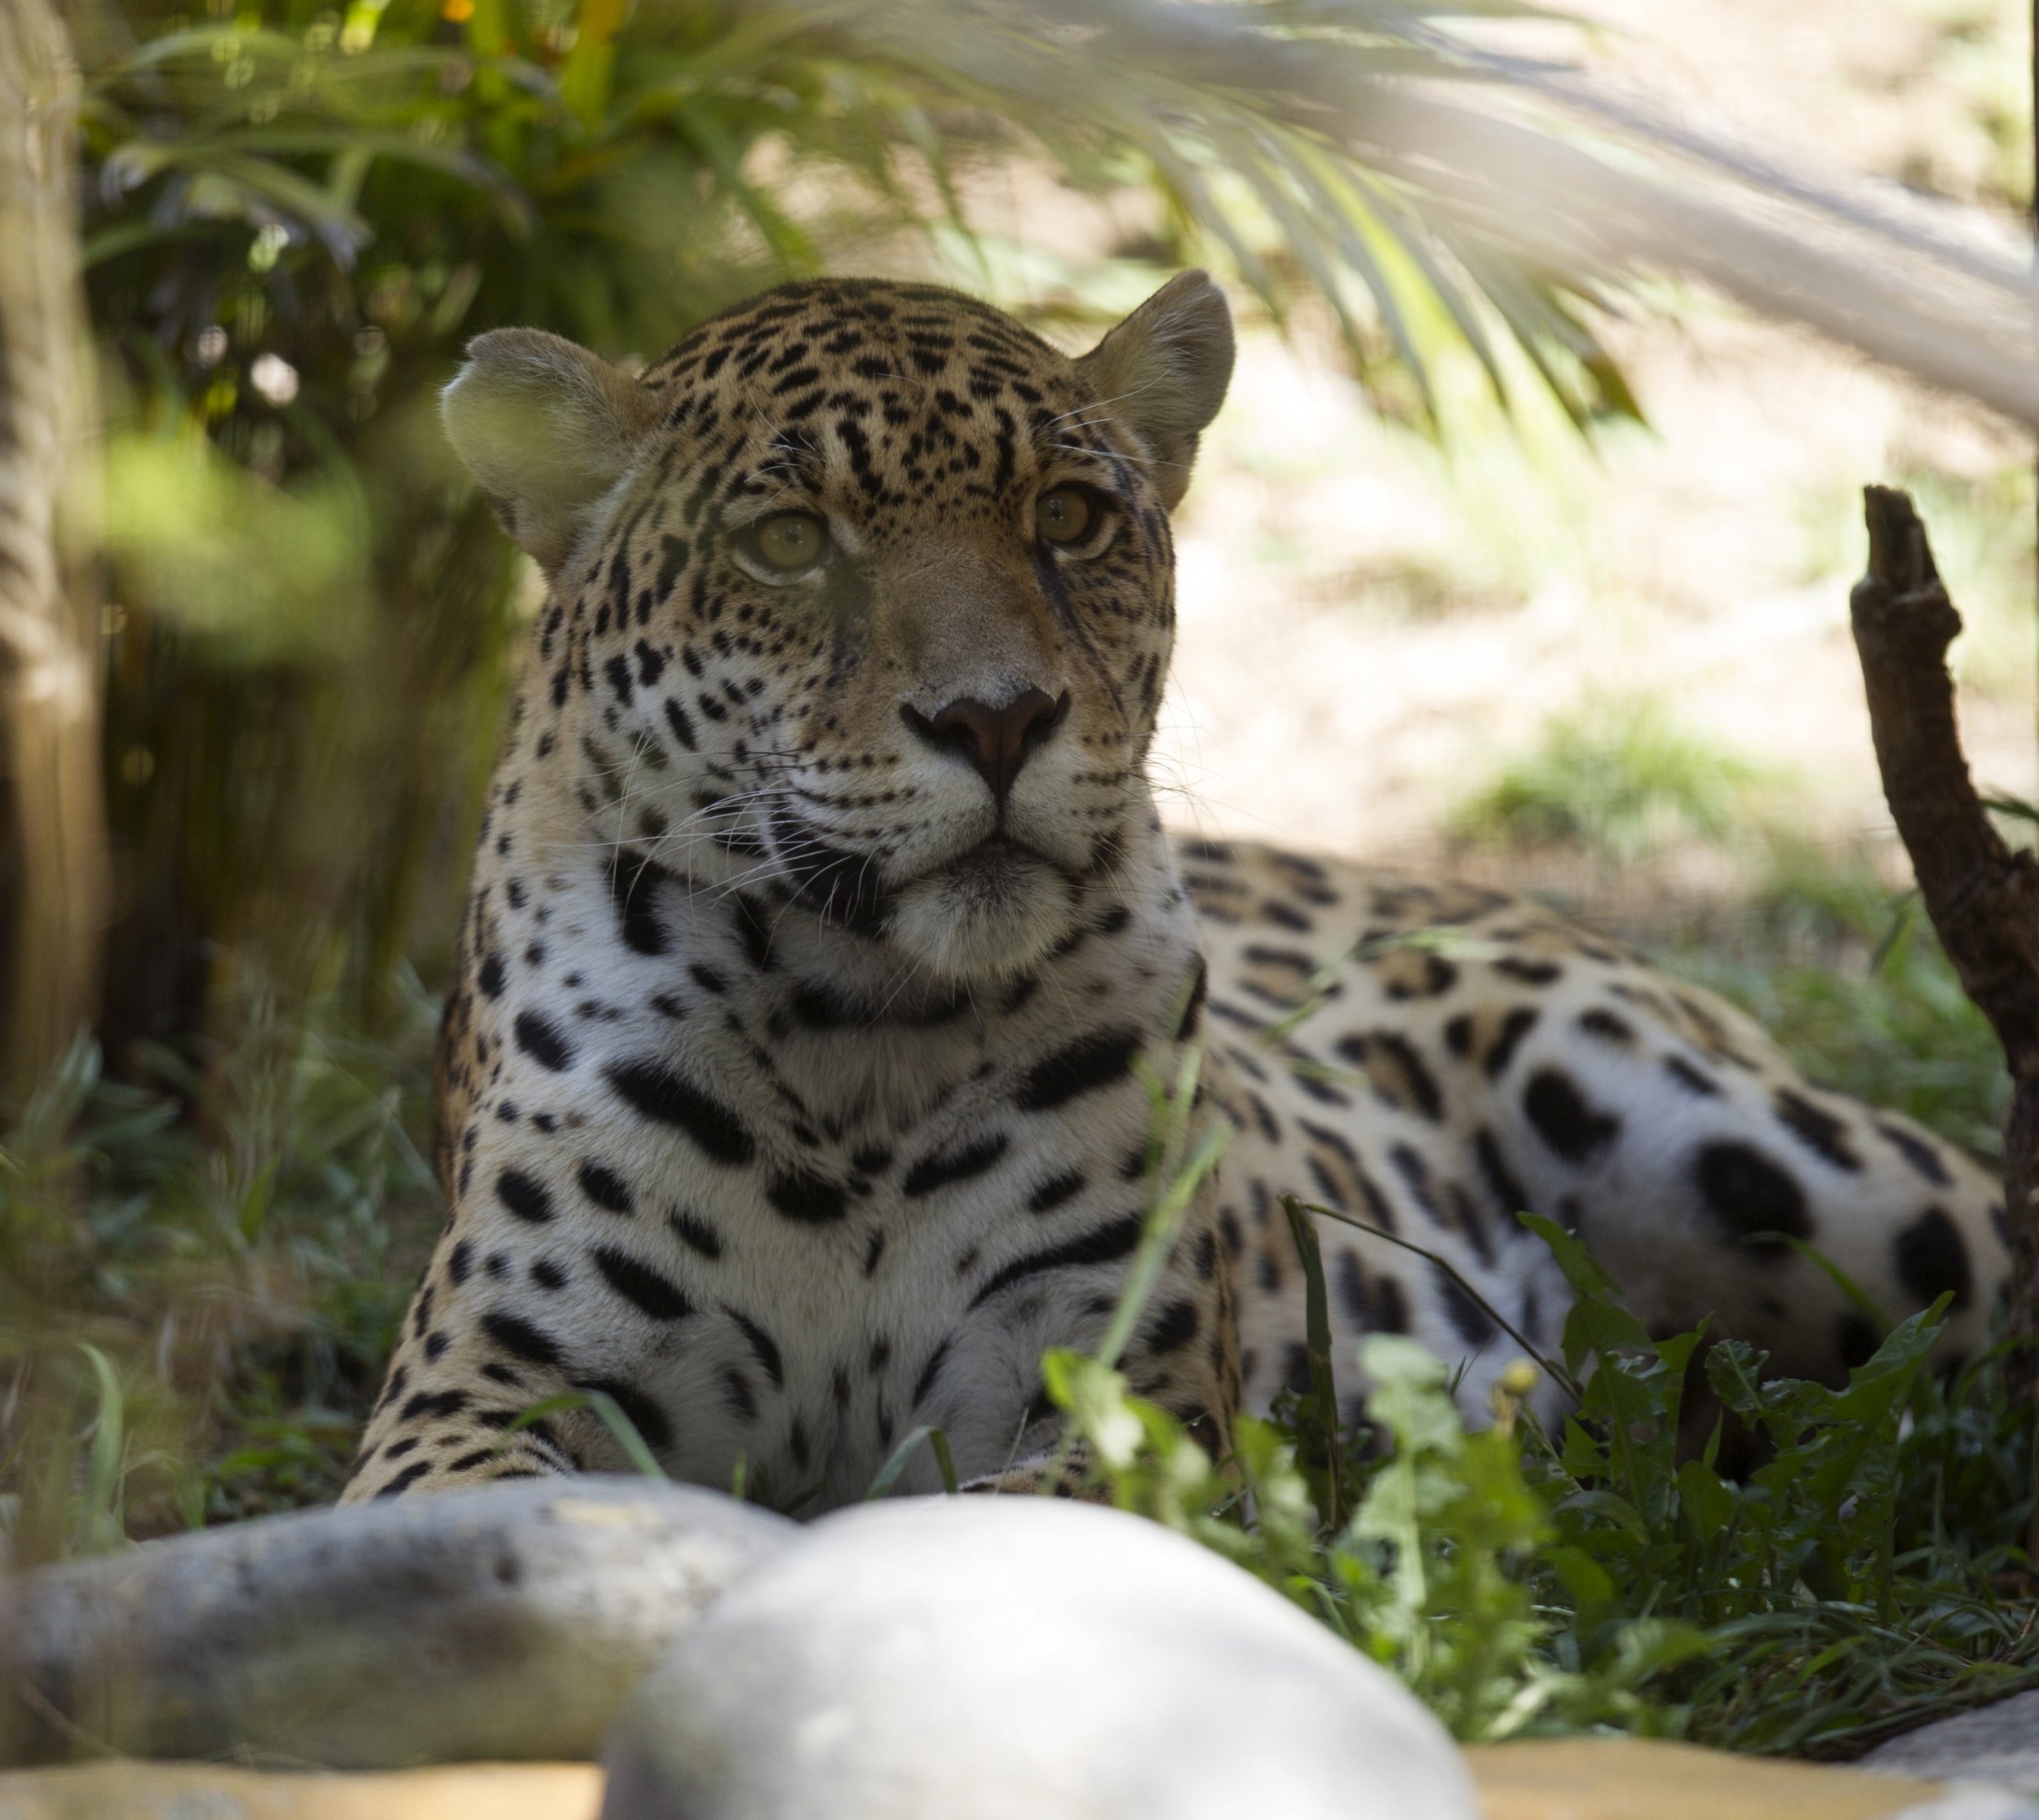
column 996, row 741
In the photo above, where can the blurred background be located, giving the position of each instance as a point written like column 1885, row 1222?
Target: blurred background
column 1502, row 560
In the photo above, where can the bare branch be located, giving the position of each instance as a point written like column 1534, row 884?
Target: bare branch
column 1984, row 899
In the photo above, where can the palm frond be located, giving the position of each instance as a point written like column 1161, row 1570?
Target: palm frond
column 1374, row 149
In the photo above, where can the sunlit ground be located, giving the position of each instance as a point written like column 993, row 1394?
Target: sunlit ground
column 1373, row 627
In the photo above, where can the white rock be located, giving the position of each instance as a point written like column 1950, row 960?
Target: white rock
column 510, row 1621
column 988, row 1658
column 1997, row 1743
column 1973, row 1801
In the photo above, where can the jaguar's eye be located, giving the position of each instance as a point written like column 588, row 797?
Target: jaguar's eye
column 1064, row 514
column 788, row 542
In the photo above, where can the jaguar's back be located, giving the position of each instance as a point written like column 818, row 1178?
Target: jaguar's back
column 1433, row 1059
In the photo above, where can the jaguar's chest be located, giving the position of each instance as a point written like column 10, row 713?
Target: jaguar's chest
column 808, row 1216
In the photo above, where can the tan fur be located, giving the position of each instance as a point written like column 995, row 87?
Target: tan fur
column 545, row 428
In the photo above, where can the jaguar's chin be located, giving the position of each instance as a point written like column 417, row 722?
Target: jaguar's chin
column 990, row 914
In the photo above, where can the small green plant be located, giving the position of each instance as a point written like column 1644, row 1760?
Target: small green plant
column 1430, row 1574
column 937, row 1442
column 607, row 1411
column 1863, row 1576
column 1622, row 778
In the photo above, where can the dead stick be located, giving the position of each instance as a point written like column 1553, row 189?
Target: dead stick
column 1983, row 898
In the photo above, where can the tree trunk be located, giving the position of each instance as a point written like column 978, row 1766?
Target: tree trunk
column 52, row 833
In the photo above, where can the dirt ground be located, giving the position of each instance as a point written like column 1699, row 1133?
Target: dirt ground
column 1371, row 625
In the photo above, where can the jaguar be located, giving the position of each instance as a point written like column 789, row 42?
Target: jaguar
column 827, row 974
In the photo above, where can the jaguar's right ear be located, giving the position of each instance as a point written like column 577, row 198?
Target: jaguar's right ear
column 546, row 428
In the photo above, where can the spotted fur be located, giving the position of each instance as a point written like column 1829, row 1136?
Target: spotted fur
column 791, row 1090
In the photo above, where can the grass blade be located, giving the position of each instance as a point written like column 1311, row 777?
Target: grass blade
column 1317, row 1413
column 603, row 1406
column 888, row 1474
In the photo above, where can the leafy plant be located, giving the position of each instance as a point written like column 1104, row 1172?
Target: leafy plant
column 1831, row 1615
column 1862, row 1576
column 1429, row 1575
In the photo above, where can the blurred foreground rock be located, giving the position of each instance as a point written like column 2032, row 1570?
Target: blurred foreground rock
column 991, row 1659
column 508, row 1622
column 1997, row 1743
column 936, row 1659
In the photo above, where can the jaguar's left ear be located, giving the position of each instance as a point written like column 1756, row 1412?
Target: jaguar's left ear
column 1162, row 373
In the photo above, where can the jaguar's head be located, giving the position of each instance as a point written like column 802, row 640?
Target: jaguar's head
column 863, row 591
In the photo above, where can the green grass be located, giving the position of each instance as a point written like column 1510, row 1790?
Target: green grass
column 1622, row 780
column 210, row 1265
column 1846, row 973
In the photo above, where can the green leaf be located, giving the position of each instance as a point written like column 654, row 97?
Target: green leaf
column 1094, row 1397
column 937, row 1442
column 1317, row 1414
